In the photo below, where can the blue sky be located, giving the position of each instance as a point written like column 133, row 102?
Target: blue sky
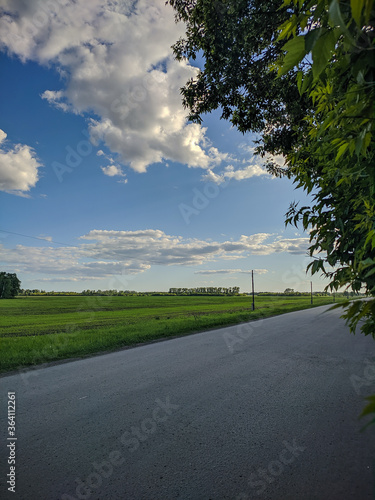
column 104, row 181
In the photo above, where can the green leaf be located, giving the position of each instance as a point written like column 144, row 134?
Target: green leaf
column 338, row 183
column 307, row 82
column 338, row 305
column 357, row 7
column 299, row 78
column 311, row 38
column 288, row 28
column 370, row 273
column 340, row 152
column 316, row 265
column 366, row 142
column 360, row 142
column 295, row 53
column 286, row 3
column 336, row 19
column 369, row 237
column 322, row 52
column 368, row 9
column 370, row 408
column 335, row 14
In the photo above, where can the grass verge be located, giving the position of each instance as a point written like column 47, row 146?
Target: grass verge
column 37, row 330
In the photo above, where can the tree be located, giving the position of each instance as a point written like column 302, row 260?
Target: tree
column 10, row 285
column 239, row 42
column 300, row 74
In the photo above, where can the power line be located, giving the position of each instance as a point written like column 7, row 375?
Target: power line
column 36, row 238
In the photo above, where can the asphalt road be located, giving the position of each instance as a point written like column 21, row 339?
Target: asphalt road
column 265, row 410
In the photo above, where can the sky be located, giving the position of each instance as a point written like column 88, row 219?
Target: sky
column 104, row 184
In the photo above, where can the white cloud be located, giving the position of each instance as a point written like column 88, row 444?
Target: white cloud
column 55, row 97
column 104, row 253
column 278, row 159
column 116, row 60
column 113, row 170
column 244, row 173
column 18, row 167
column 239, row 174
column 3, row 136
column 231, row 271
column 58, row 279
column 44, row 237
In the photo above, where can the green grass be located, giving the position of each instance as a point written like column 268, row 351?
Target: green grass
column 36, row 330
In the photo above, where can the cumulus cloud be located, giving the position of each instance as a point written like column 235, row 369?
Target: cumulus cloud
column 104, row 253
column 255, row 165
column 18, row 167
column 239, row 174
column 117, row 65
column 55, row 98
column 249, row 148
column 113, row 170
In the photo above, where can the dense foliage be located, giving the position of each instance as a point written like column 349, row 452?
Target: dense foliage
column 9, row 285
column 335, row 160
column 239, row 42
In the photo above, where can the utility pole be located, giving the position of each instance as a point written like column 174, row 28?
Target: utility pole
column 252, row 281
column 311, row 293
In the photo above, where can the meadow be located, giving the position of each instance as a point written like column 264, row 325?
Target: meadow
column 37, row 329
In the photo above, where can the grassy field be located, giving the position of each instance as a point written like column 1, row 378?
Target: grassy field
column 35, row 330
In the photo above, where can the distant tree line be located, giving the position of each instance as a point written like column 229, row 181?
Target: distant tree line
column 172, row 291
column 36, row 291
column 291, row 293
column 235, row 290
column 109, row 293
column 97, row 293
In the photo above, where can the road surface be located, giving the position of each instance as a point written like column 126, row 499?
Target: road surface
column 265, row 410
